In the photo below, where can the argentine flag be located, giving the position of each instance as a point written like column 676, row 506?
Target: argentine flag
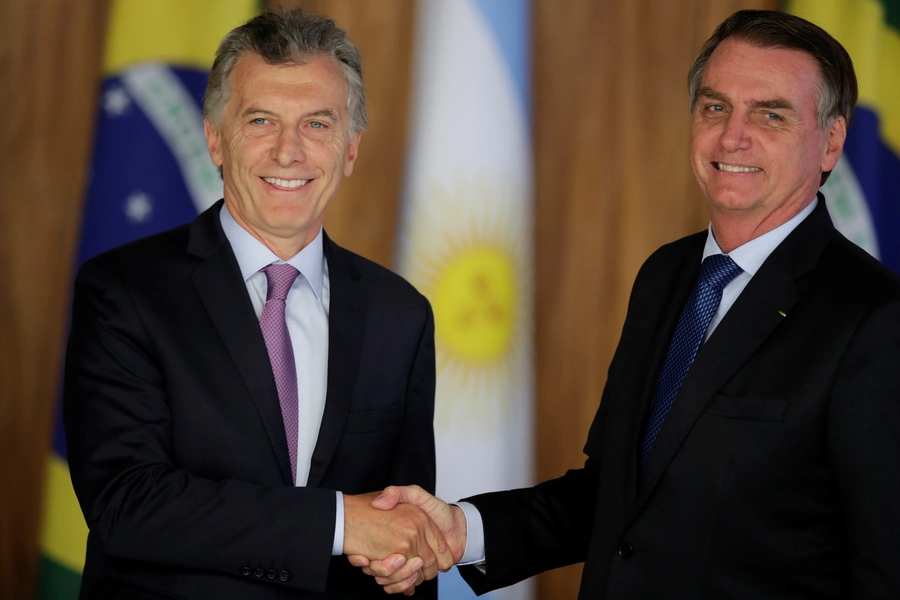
column 465, row 241
column 863, row 192
column 150, row 171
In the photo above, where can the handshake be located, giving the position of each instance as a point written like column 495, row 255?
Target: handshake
column 402, row 536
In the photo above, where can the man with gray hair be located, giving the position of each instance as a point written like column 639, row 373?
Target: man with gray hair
column 235, row 386
column 747, row 444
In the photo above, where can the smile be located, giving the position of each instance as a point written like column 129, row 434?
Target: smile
column 735, row 168
column 285, row 183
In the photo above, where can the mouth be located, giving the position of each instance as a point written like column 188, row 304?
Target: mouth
column 286, row 184
column 735, row 168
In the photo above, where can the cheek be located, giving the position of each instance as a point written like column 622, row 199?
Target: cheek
column 697, row 156
column 702, row 142
column 247, row 150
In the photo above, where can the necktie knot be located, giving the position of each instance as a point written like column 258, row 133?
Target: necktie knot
column 718, row 270
column 280, row 278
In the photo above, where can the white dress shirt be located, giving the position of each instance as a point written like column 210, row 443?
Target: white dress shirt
column 306, row 313
column 748, row 257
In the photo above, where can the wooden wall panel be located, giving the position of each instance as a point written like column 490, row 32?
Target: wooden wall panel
column 49, row 59
column 363, row 217
column 613, row 183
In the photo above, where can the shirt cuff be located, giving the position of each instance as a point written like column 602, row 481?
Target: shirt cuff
column 337, row 547
column 474, row 552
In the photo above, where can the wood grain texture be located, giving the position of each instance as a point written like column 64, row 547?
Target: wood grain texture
column 363, row 217
column 49, row 62
column 613, row 183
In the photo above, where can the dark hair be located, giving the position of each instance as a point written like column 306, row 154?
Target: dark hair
column 838, row 90
column 290, row 36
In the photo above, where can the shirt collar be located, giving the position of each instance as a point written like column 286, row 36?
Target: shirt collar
column 252, row 255
column 753, row 254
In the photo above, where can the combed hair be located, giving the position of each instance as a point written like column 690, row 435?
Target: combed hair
column 287, row 37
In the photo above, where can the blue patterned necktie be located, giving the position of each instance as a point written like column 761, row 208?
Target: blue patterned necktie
column 716, row 272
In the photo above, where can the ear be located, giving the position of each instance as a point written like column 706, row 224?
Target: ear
column 213, row 142
column 352, row 152
column 837, row 135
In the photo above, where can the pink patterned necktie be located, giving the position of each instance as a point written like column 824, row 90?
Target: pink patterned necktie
column 280, row 277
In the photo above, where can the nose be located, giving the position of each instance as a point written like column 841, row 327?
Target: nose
column 735, row 136
column 289, row 147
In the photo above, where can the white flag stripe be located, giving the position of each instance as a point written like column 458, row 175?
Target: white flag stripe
column 466, row 243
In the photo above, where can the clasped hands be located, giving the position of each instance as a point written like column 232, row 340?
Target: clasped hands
column 402, row 536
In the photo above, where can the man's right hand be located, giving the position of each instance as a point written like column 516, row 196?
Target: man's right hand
column 405, row 536
column 396, row 574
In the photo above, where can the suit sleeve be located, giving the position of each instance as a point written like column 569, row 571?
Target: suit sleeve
column 531, row 530
column 140, row 506
column 864, row 444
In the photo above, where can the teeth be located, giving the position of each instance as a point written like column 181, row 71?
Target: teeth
column 286, row 183
column 735, row 169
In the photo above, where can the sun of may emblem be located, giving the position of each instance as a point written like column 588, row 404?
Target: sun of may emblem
column 475, row 304
column 468, row 250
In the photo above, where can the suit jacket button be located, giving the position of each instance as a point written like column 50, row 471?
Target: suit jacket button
column 284, row 576
column 625, row 551
column 259, row 572
column 246, row 570
column 271, row 573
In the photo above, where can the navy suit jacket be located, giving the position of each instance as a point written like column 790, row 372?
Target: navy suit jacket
column 176, row 444
column 777, row 472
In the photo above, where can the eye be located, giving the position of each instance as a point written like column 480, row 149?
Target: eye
column 773, row 116
column 715, row 108
column 259, row 121
column 317, row 125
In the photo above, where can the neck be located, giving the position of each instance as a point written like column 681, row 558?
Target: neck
column 733, row 228
column 284, row 247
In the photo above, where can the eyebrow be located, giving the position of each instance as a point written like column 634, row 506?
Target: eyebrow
column 255, row 110
column 710, row 94
column 324, row 112
column 775, row 103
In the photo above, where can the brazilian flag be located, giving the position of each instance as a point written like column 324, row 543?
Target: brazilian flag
column 864, row 190
column 150, row 172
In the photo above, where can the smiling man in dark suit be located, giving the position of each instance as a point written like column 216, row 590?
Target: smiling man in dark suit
column 747, row 444
column 231, row 384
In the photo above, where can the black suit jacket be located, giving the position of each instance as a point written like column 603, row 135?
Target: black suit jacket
column 176, row 444
column 777, row 471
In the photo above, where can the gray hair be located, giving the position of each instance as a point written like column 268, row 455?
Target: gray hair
column 287, row 37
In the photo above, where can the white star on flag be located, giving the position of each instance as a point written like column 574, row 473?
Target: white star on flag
column 138, row 207
column 116, row 101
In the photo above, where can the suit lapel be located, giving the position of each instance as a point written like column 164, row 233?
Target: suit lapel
column 220, row 286
column 346, row 328
column 749, row 322
column 667, row 300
